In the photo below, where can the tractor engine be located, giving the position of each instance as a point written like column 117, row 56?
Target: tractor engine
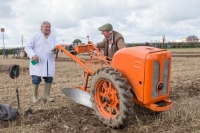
column 147, row 70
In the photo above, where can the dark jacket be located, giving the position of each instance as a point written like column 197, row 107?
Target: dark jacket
column 117, row 43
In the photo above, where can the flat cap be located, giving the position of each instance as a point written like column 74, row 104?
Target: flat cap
column 106, row 27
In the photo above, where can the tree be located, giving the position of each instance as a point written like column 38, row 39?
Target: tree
column 76, row 41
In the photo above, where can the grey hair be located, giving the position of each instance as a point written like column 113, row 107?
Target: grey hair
column 45, row 22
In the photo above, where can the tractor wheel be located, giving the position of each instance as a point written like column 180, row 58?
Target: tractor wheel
column 111, row 97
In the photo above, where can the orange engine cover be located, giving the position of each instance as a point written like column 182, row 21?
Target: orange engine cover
column 147, row 70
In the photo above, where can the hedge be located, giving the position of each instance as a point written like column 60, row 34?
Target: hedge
column 172, row 44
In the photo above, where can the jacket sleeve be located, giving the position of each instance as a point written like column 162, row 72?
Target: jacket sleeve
column 121, row 44
column 101, row 44
column 30, row 46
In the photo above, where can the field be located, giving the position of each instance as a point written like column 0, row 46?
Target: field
column 64, row 115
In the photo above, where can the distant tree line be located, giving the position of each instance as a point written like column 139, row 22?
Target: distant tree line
column 172, row 44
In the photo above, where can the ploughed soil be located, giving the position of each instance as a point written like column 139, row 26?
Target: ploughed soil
column 186, row 54
column 64, row 115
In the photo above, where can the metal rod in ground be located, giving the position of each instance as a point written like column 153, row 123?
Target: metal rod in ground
column 22, row 64
column 17, row 94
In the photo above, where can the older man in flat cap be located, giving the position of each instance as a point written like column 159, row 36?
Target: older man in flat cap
column 112, row 42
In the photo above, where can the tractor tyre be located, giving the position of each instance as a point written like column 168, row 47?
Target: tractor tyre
column 111, row 97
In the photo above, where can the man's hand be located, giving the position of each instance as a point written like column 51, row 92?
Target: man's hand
column 55, row 51
column 35, row 58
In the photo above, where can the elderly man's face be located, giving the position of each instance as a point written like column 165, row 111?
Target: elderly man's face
column 106, row 34
column 46, row 29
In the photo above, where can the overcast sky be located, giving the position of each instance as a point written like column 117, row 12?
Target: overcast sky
column 136, row 20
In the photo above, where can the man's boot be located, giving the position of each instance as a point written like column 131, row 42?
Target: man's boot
column 47, row 88
column 35, row 93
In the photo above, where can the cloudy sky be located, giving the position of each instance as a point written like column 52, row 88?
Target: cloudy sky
column 136, row 20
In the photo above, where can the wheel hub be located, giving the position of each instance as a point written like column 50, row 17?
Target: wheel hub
column 107, row 98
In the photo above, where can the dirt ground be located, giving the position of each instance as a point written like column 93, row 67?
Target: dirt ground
column 64, row 115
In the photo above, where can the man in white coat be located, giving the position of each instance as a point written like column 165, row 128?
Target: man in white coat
column 39, row 49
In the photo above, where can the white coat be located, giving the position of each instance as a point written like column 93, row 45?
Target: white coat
column 38, row 45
